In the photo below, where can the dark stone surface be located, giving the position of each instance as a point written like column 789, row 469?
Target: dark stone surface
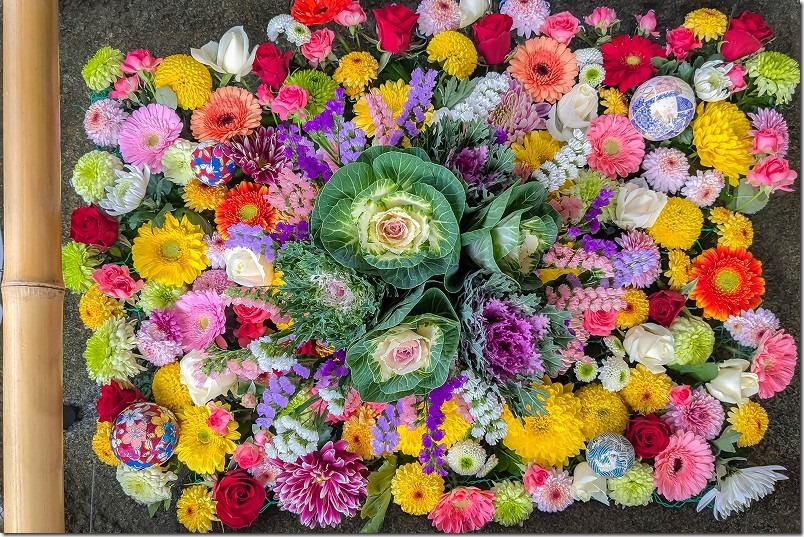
column 170, row 27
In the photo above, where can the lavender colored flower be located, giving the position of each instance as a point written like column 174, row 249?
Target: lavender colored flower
column 351, row 142
column 602, row 199
column 638, row 263
column 302, row 152
column 432, row 455
column 419, row 99
column 517, row 113
column 252, row 237
column 285, row 232
column 384, row 432
column 159, row 338
column 260, row 154
column 606, row 247
column 275, row 397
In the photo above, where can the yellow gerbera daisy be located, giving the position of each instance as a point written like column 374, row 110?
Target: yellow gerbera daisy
column 101, row 445
column 95, row 308
column 602, row 411
column 187, row 77
column 678, row 225
column 720, row 134
column 454, row 427
column 751, row 421
column 200, row 448
column 414, row 491
column 200, row 197
column 355, row 71
column 646, row 392
column 395, row 94
column 195, row 509
column 734, row 230
column 357, row 432
column 456, row 51
column 706, row 23
column 174, row 254
column 613, row 101
column 537, row 147
column 168, row 389
column 678, row 268
column 635, row 310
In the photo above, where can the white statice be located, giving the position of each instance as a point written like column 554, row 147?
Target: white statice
column 177, row 162
column 566, row 163
column 127, row 191
column 271, row 356
column 486, row 407
column 335, row 398
column 588, row 56
column 294, row 31
column 614, row 374
column 293, row 439
column 146, row 486
column 712, row 82
column 484, row 98
column 735, row 491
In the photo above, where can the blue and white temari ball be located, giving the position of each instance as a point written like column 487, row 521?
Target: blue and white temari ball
column 662, row 108
column 610, row 455
column 211, row 165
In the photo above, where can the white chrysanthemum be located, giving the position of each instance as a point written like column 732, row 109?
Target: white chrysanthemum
column 128, row 190
column 176, row 161
column 298, row 34
column 737, row 490
column 703, row 188
column 264, row 350
column 666, row 169
column 556, row 493
column 436, row 16
column 747, row 327
column 146, row 486
column 588, row 56
column 712, row 82
column 615, row 346
column 484, row 98
column 466, row 457
column 593, row 74
column 585, row 371
column 614, row 374
column 528, row 16
column 278, row 25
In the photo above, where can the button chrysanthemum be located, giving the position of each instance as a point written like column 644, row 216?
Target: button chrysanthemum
column 706, row 23
column 456, row 51
column 678, row 225
column 103, row 68
column 95, row 308
column 634, row 488
column 646, row 392
column 720, row 134
column 187, row 77
column 602, row 411
column 93, row 172
column 751, row 421
column 693, row 340
column 775, row 74
column 355, row 71
column 414, row 491
column 512, row 503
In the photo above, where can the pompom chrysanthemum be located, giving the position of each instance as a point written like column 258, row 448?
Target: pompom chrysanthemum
column 189, row 79
column 78, row 260
column 174, row 254
column 466, row 458
column 614, row 374
column 101, row 444
column 734, row 229
column 146, row 135
column 704, row 187
column 528, row 15
column 602, row 411
column 585, row 371
column 646, row 392
column 720, row 135
column 592, row 74
column 415, row 492
column 748, row 326
column 109, row 352
column 93, row 172
column 95, row 308
column 176, row 162
column 693, row 340
column 775, row 74
column 635, row 310
column 706, row 23
column 146, row 486
column 678, row 225
column 463, row 509
column 200, row 447
column 666, row 169
column 436, row 16
column 319, row 86
column 195, row 509
column 103, row 120
column 702, row 415
column 455, row 52
column 355, row 70
column 103, row 68
column 545, row 67
column 588, row 56
column 684, row 467
column 751, row 421
column 617, row 147
column 634, row 488
column 512, row 503
column 200, row 314
column 127, row 191
column 156, row 296
column 555, row 494
column 168, row 390
column 229, row 112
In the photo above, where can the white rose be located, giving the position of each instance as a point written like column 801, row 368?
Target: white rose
column 734, row 384
column 651, row 345
column 712, row 82
column 246, row 268
column 586, row 485
column 637, row 206
column 402, row 351
column 211, row 388
column 230, row 55
column 575, row 110
column 471, row 10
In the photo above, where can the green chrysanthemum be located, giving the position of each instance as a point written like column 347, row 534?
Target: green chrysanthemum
column 585, row 371
column 93, row 173
column 157, row 296
column 634, row 488
column 108, row 354
column 77, row 262
column 775, row 74
column 693, row 340
column 512, row 503
column 103, row 68
column 593, row 75
column 319, row 86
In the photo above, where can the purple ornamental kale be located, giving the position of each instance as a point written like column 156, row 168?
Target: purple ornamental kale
column 512, row 340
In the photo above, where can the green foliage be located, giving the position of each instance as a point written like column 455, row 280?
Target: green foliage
column 379, row 495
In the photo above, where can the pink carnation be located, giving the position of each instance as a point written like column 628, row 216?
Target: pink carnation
column 617, row 147
column 684, row 467
column 140, row 60
column 463, row 509
column 774, row 362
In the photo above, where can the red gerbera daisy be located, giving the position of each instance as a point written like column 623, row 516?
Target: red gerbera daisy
column 246, row 203
column 627, row 61
column 314, row 12
column 729, row 281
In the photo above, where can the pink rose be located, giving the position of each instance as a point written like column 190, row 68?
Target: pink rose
column 247, row 455
column 139, row 60
column 264, row 95
column 124, row 87
column 250, row 314
column 219, row 419
column 680, row 395
column 599, row 323
column 681, row 41
column 262, row 437
column 646, row 24
column 766, row 141
column 352, row 15
column 535, row 476
column 601, row 18
column 289, row 99
column 116, row 281
column 737, row 76
column 562, row 27
column 319, row 46
column 774, row 172
column 248, row 400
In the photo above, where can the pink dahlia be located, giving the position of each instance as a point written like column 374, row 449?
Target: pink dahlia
column 747, row 327
column 201, row 318
column 703, row 188
column 666, row 169
column 146, row 135
column 768, row 123
column 103, row 120
column 617, row 147
column 555, row 495
column 528, row 15
column 684, row 467
column 774, row 362
column 260, row 155
column 159, row 338
column 701, row 414
column 213, row 280
column 436, row 16
column 463, row 509
column 324, row 486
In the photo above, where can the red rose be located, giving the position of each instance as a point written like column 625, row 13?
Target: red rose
column 739, row 44
column 493, row 37
column 248, row 332
column 394, row 26
column 240, row 498
column 114, row 399
column 664, row 306
column 271, row 65
column 250, row 314
column 648, row 434
column 90, row 225
column 752, row 23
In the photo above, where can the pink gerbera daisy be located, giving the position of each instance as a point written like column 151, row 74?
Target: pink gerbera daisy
column 703, row 188
column 555, row 495
column 463, row 509
column 103, row 120
column 684, row 467
column 201, row 318
column 702, row 415
column 146, row 135
column 436, row 16
column 774, row 362
column 666, row 169
column 617, row 147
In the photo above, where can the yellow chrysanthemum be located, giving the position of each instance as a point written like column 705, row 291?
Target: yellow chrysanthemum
column 549, row 439
column 200, row 448
column 635, row 310
column 189, row 79
column 101, row 445
column 678, row 268
column 720, row 134
column 537, row 147
column 195, row 509
column 550, row 274
column 613, row 101
column 168, row 389
column 95, row 308
column 454, row 427
column 602, row 411
column 394, row 94
column 414, row 491
column 200, row 197
column 355, row 71
column 456, row 51
column 678, row 225
column 706, row 23
column 174, row 254
column 646, row 392
column 734, row 230
column 751, row 421
column 357, row 432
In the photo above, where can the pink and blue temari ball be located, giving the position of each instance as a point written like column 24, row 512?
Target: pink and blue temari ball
column 610, row 455
column 211, row 165
column 662, row 107
column 144, row 434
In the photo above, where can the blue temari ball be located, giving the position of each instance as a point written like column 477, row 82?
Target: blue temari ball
column 144, row 434
column 662, row 107
column 211, row 165
column 610, row 455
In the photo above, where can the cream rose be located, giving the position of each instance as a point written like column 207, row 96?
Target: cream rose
column 471, row 10
column 575, row 110
column 403, row 351
column 246, row 268
column 203, row 392
column 586, row 484
column 651, row 345
column 734, row 384
column 397, row 230
column 637, row 206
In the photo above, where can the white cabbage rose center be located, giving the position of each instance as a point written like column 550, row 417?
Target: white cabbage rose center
column 403, row 351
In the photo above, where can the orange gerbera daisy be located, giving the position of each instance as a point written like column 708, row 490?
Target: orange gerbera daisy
column 314, row 12
column 729, row 281
column 246, row 204
column 228, row 112
column 546, row 68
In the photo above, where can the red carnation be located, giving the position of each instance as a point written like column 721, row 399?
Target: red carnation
column 240, row 498
column 114, row 399
column 90, row 225
column 627, row 61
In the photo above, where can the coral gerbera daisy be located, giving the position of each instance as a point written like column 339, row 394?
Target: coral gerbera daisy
column 246, row 204
column 545, row 67
column 463, row 509
column 147, row 133
column 228, row 112
column 720, row 135
column 684, row 467
column 617, row 147
column 729, row 281
column 195, row 509
column 200, row 447
column 414, row 491
column 751, row 421
column 174, row 254
column 537, row 147
column 315, row 12
column 627, row 61
column 189, row 79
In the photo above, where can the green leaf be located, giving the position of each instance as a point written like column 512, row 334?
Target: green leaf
column 346, row 183
column 685, row 72
column 748, row 199
column 153, row 508
column 379, row 496
column 700, row 372
column 403, row 169
column 727, row 439
column 400, row 310
column 510, row 462
column 159, row 219
column 165, row 95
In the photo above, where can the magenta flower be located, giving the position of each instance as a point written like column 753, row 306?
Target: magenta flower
column 146, row 135
column 201, row 318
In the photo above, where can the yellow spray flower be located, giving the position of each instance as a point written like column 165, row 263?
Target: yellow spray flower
column 706, row 23
column 720, row 134
column 456, row 51
column 635, row 310
column 678, row 225
column 173, row 254
column 602, row 411
column 751, row 421
column 201, row 448
column 187, row 77
column 734, row 230
column 646, row 392
column 355, row 71
column 537, row 147
column 613, row 101
column 95, row 308
column 678, row 268
column 454, row 427
column 394, row 94
column 101, row 445
column 414, row 491
column 357, row 432
column 200, row 197
column 168, row 389
column 195, row 509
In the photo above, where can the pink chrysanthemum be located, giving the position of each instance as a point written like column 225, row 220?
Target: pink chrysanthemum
column 213, row 280
column 771, row 120
column 747, row 327
column 201, row 318
column 703, row 188
column 666, row 169
column 216, row 246
column 684, row 467
column 259, row 155
column 324, row 486
column 463, row 509
column 103, row 120
column 517, row 113
column 528, row 15
column 555, row 495
column 265, row 472
column 436, row 16
column 146, row 135
column 159, row 338
column 617, row 147
column 638, row 262
column 702, row 415
column 774, row 362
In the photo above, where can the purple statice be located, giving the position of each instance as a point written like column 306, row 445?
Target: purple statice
column 351, row 142
column 384, row 431
column 512, row 339
column 470, row 164
column 605, row 246
column 276, row 396
column 327, row 382
column 499, row 135
column 260, row 154
column 432, row 454
column 638, row 263
column 419, row 100
column 326, row 121
column 573, row 232
column 302, row 152
column 602, row 199
column 285, row 232
column 330, row 123
column 242, row 235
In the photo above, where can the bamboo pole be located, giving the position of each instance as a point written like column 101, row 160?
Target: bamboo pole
column 33, row 291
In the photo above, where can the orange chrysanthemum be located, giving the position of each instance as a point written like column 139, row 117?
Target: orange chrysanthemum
column 246, row 204
column 228, row 112
column 314, row 12
column 729, row 281
column 546, row 68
